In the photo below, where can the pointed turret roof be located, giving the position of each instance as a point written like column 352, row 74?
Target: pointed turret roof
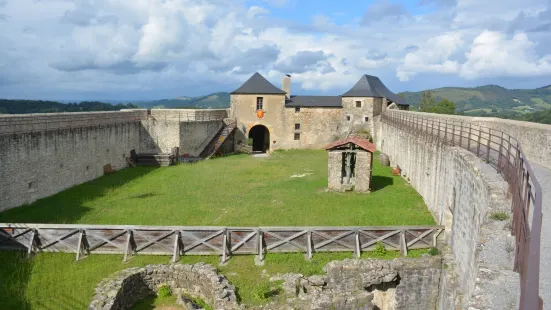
column 257, row 84
column 371, row 86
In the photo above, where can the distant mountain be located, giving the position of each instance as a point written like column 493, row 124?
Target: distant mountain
column 213, row 101
column 489, row 100
column 8, row 106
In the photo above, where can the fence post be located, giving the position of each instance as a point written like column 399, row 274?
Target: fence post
column 225, row 250
column 500, row 155
column 177, row 242
column 128, row 247
column 32, row 243
column 260, row 236
column 82, row 245
column 478, row 143
column 403, row 244
column 469, row 139
column 358, row 246
column 309, row 241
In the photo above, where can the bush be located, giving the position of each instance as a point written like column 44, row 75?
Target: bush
column 434, row 251
column 265, row 290
column 380, row 249
column 164, row 291
column 499, row 216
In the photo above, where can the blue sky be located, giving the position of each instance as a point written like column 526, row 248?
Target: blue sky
column 153, row 49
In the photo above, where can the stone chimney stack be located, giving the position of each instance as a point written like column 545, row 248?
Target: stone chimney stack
column 286, row 85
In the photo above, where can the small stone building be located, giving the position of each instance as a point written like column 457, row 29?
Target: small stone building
column 350, row 162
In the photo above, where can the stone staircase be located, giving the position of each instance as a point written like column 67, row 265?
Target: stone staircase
column 214, row 146
column 155, row 160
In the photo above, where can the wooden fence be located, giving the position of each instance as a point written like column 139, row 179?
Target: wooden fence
column 224, row 241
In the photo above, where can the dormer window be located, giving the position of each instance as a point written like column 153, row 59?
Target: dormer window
column 259, row 103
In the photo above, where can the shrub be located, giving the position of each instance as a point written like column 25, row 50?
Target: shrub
column 380, row 249
column 265, row 290
column 164, row 291
column 499, row 216
column 434, row 251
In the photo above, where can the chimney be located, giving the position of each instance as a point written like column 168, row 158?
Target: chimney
column 286, row 85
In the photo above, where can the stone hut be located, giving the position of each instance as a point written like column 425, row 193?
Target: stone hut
column 350, row 162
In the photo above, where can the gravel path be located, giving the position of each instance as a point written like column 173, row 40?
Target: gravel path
column 544, row 177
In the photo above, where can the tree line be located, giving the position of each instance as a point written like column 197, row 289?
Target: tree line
column 8, row 106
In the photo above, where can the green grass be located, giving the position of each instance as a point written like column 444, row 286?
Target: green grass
column 56, row 281
column 540, row 103
column 153, row 302
column 231, row 191
column 499, row 216
column 235, row 190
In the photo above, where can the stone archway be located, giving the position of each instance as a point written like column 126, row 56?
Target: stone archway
column 260, row 136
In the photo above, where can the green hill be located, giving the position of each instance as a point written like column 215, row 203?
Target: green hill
column 213, row 101
column 8, row 106
column 489, row 99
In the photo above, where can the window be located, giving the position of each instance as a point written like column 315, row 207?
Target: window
column 358, row 104
column 297, row 136
column 297, row 126
column 297, row 110
column 259, row 103
column 366, row 118
column 348, row 117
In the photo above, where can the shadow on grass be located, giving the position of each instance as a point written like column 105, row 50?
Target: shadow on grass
column 379, row 182
column 68, row 206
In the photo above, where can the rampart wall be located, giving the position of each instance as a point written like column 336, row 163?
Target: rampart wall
column 43, row 154
column 461, row 192
column 535, row 138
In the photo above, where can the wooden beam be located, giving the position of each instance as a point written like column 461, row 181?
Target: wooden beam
column 358, row 246
column 380, row 238
column 105, row 240
column 420, row 238
column 286, row 240
column 333, row 239
column 199, row 241
column 247, row 238
column 82, row 247
column 32, row 244
column 177, row 243
column 154, row 241
column 260, row 245
column 59, row 239
column 309, row 240
column 14, row 238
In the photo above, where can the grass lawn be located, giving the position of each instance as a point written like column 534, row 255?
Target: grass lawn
column 235, row 190
column 231, row 191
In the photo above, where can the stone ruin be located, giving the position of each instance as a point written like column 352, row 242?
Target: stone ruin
column 369, row 284
column 201, row 280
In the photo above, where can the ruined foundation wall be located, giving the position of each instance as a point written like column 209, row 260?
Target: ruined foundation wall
column 47, row 153
column 461, row 192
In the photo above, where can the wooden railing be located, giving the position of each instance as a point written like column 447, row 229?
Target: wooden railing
column 224, row 241
column 504, row 153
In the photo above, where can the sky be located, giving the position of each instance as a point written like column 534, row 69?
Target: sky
column 154, row 49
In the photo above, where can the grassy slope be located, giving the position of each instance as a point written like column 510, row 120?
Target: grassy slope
column 233, row 191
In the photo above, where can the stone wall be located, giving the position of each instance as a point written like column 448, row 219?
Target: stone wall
column 403, row 283
column 535, row 138
column 191, row 130
column 43, row 159
column 127, row 287
column 461, row 192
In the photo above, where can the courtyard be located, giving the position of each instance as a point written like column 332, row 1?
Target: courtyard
column 288, row 188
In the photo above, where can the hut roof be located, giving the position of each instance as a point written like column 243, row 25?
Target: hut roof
column 358, row 141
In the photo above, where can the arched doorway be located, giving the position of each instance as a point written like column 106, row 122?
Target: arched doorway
column 260, row 137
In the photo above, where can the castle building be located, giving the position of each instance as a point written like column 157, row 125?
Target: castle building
column 270, row 118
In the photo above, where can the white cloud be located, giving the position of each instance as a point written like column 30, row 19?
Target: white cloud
column 492, row 54
column 194, row 46
column 432, row 57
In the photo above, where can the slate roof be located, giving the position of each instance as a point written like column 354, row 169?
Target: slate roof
column 371, row 86
column 315, row 101
column 358, row 141
column 257, row 84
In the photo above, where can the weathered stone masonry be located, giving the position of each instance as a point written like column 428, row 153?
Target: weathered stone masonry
column 461, row 192
column 43, row 154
